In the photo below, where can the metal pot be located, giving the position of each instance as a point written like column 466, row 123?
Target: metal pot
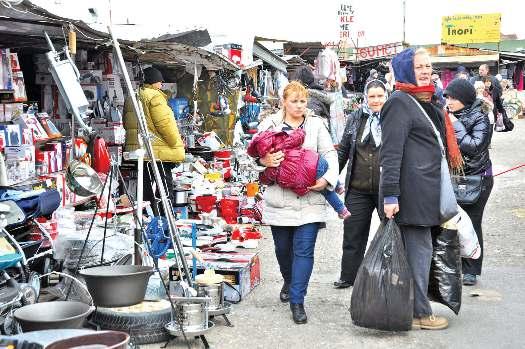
column 102, row 339
column 192, row 316
column 52, row 315
column 117, row 285
column 82, row 180
column 215, row 292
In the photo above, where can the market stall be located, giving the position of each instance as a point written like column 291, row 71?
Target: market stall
column 82, row 213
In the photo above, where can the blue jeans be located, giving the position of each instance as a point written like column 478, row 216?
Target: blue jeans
column 330, row 196
column 294, row 249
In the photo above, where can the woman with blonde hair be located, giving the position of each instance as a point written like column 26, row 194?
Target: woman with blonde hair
column 295, row 220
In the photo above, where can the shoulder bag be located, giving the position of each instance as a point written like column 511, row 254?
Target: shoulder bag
column 448, row 206
column 467, row 188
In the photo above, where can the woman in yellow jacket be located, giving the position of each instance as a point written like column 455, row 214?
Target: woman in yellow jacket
column 168, row 147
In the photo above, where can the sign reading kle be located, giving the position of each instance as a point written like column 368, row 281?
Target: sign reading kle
column 345, row 15
column 470, row 29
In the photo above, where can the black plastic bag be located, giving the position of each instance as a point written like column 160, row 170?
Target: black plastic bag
column 383, row 294
column 444, row 284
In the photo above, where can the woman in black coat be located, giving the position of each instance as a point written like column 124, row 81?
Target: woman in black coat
column 359, row 147
column 410, row 160
column 473, row 133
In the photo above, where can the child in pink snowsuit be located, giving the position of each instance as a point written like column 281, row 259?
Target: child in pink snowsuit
column 300, row 167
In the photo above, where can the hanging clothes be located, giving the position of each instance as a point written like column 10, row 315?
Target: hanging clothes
column 517, row 78
column 327, row 66
column 337, row 116
column 280, row 81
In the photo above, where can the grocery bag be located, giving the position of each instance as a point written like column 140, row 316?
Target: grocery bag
column 383, row 294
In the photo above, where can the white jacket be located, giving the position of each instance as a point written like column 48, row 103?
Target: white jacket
column 283, row 207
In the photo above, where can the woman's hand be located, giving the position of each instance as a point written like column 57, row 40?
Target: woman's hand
column 319, row 185
column 272, row 159
column 391, row 210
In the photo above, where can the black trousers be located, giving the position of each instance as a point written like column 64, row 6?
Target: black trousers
column 475, row 212
column 356, row 231
column 149, row 181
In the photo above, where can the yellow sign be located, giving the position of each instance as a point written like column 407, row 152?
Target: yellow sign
column 470, row 29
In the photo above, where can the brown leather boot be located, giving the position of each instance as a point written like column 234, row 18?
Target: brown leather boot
column 431, row 322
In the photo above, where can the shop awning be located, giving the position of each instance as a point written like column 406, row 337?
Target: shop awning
column 512, row 56
column 22, row 26
column 465, row 59
column 269, row 57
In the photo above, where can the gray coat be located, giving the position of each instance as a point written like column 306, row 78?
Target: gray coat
column 410, row 160
column 283, row 207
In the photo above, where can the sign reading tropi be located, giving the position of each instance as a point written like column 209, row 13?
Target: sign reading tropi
column 470, row 29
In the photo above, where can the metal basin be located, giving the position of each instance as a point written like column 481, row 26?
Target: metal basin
column 117, row 285
column 105, row 339
column 52, row 315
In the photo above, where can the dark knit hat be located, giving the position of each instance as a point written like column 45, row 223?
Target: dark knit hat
column 462, row 90
column 152, row 75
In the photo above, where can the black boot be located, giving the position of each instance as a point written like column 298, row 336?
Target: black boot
column 284, row 295
column 298, row 313
column 342, row 284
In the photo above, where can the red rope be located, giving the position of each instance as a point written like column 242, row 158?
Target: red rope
column 511, row 169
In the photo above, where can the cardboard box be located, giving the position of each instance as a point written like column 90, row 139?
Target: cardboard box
column 90, row 76
column 243, row 272
column 30, row 122
column 15, row 64
column 111, row 85
column 21, row 152
column 19, row 171
column 113, row 134
column 2, row 140
column 48, row 125
column 13, row 135
column 56, row 150
column 12, row 111
column 91, row 92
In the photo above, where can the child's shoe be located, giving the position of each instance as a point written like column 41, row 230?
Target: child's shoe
column 344, row 214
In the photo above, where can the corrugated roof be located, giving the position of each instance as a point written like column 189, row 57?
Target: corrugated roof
column 23, row 25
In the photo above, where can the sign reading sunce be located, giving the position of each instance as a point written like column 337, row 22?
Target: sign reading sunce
column 470, row 29
column 378, row 51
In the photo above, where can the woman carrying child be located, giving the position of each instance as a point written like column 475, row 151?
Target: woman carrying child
column 294, row 219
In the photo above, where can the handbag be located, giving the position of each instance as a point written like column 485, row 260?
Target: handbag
column 467, row 188
column 448, row 206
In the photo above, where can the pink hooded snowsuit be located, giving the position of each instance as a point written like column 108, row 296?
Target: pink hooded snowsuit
column 297, row 171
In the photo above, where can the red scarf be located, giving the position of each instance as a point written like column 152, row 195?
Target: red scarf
column 422, row 93
column 455, row 160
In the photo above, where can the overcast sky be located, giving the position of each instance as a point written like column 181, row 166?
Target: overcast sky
column 379, row 21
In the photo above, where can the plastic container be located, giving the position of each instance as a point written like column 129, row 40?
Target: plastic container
column 180, row 107
column 206, row 203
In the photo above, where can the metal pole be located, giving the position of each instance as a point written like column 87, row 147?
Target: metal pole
column 404, row 21
column 149, row 149
column 137, row 259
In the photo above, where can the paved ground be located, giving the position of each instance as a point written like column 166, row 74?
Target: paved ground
column 489, row 318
